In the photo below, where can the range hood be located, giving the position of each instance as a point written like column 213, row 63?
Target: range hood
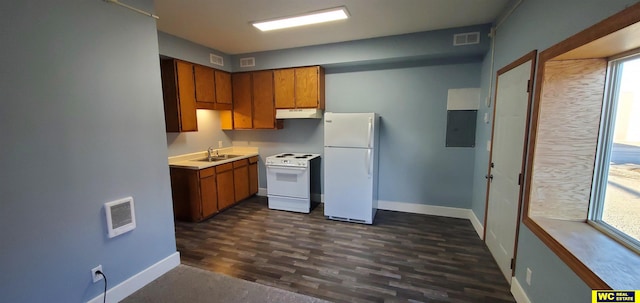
column 299, row 113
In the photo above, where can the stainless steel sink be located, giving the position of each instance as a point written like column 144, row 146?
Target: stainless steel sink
column 218, row 158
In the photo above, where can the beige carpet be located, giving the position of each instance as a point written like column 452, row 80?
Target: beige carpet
column 194, row 285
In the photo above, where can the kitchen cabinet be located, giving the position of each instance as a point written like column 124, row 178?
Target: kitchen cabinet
column 199, row 194
column 253, row 175
column 178, row 91
column 253, row 106
column 213, row 88
column 226, row 189
column 224, row 98
column 242, row 109
column 264, row 112
column 194, row 193
column 241, row 179
column 300, row 87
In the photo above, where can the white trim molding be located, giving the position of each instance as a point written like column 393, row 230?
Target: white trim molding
column 443, row 211
column 476, row 224
column 134, row 283
column 518, row 292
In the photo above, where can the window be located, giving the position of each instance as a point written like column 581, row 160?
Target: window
column 615, row 198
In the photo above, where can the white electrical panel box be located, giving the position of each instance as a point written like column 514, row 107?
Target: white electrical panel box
column 121, row 216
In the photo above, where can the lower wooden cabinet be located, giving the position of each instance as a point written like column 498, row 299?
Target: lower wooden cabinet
column 194, row 193
column 224, row 178
column 253, row 176
column 200, row 194
column 241, row 179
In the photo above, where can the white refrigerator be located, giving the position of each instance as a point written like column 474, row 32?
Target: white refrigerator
column 351, row 166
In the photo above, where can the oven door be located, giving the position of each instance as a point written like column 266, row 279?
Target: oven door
column 288, row 181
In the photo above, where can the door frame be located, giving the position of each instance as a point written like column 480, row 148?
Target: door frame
column 532, row 55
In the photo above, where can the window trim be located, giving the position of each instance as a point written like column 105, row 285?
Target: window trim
column 603, row 152
column 610, row 37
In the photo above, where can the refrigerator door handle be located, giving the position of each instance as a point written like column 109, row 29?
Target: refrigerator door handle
column 369, row 132
column 369, row 162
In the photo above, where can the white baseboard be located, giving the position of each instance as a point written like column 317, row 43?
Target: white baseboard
column 518, row 292
column 262, row 192
column 443, row 211
column 476, row 223
column 127, row 287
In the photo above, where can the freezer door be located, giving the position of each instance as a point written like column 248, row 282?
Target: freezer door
column 348, row 183
column 349, row 129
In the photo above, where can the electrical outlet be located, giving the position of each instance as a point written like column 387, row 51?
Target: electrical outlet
column 528, row 276
column 219, row 144
column 95, row 276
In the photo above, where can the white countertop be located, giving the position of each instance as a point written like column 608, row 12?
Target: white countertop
column 190, row 160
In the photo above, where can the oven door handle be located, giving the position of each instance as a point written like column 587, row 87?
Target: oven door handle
column 286, row 167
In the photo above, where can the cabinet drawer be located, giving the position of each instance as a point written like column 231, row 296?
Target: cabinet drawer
column 241, row 163
column 207, row 172
column 253, row 159
column 224, row 167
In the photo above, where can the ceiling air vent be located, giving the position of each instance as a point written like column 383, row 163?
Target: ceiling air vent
column 466, row 38
column 247, row 62
column 215, row 59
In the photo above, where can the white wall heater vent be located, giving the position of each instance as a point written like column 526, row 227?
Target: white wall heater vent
column 247, row 62
column 121, row 216
column 466, row 39
column 215, row 59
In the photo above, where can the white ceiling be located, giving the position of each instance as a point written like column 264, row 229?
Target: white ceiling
column 225, row 24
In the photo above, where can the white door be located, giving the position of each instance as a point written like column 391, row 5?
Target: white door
column 348, row 183
column 510, row 120
column 349, row 129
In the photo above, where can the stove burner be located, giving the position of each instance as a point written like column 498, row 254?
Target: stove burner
column 302, row 157
column 284, row 155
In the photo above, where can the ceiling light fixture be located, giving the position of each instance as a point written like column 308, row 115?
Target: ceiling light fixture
column 338, row 13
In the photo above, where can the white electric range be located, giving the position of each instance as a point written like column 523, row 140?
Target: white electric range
column 289, row 181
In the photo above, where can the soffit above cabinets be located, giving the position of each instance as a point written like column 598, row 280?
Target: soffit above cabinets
column 225, row 24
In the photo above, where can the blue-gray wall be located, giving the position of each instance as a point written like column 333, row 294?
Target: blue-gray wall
column 404, row 78
column 410, row 48
column 538, row 25
column 83, row 125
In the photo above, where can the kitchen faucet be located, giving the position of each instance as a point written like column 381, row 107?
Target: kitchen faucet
column 210, row 151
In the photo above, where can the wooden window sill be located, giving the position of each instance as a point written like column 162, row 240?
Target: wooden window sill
column 600, row 261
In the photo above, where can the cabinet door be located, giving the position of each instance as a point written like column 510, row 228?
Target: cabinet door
column 223, row 90
column 224, row 180
column 208, row 192
column 184, row 193
column 306, row 87
column 241, row 179
column 186, row 96
column 242, row 111
column 205, row 84
column 284, row 84
column 253, row 175
column 264, row 115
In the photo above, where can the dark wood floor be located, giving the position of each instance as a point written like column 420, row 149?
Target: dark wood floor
column 401, row 258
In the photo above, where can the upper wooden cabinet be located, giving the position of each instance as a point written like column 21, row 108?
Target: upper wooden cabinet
column 178, row 90
column 223, row 89
column 242, row 109
column 253, row 106
column 301, row 87
column 264, row 114
column 213, row 88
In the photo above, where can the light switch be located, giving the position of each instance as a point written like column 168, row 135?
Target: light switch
column 486, row 118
